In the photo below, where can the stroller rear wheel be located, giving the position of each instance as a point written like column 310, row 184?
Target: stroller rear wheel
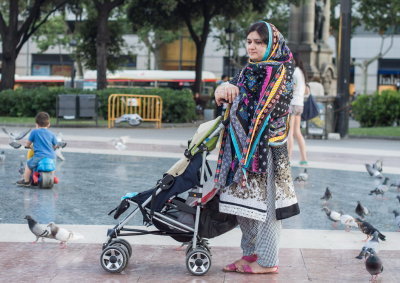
column 198, row 261
column 114, row 259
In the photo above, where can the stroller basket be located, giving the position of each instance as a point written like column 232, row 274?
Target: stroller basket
column 177, row 207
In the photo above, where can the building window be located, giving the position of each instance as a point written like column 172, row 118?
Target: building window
column 129, row 62
column 388, row 73
column 51, row 65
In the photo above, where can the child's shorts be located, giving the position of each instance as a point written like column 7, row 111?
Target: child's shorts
column 34, row 161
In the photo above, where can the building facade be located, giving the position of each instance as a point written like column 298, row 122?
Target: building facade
column 381, row 74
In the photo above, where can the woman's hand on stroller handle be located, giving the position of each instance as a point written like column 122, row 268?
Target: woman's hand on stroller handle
column 226, row 93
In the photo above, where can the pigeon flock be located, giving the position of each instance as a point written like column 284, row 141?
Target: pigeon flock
column 51, row 231
column 369, row 251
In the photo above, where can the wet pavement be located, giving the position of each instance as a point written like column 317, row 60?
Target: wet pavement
column 92, row 184
column 95, row 175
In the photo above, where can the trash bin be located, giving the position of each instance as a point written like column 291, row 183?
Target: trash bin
column 72, row 106
column 323, row 124
column 66, row 106
column 88, row 106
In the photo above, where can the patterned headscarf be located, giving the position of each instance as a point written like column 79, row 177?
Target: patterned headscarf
column 259, row 114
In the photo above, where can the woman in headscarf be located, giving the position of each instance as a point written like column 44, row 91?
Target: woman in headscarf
column 253, row 171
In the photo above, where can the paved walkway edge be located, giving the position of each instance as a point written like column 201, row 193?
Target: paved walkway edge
column 290, row 238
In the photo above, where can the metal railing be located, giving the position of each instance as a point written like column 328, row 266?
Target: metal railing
column 148, row 107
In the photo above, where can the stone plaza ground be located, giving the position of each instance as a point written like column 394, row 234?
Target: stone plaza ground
column 95, row 175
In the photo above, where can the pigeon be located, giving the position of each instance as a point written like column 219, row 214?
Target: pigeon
column 348, row 221
column 303, row 177
column 381, row 189
column 396, row 184
column 334, row 216
column 119, row 143
column 371, row 244
column 132, row 119
column 2, row 156
column 361, row 210
column 14, row 137
column 60, row 234
column 368, row 229
column 39, row 230
column 397, row 217
column 59, row 146
column 328, row 195
column 378, row 165
column 373, row 172
column 373, row 264
column 398, row 197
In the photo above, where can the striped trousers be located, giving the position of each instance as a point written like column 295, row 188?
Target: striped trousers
column 262, row 237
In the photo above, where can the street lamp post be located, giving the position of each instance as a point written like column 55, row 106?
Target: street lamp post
column 73, row 71
column 343, row 81
column 229, row 31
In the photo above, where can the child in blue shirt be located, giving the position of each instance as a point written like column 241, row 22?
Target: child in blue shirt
column 44, row 143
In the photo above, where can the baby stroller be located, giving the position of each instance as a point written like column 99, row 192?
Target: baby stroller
column 191, row 220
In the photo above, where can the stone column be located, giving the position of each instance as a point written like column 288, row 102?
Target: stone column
column 294, row 35
column 307, row 33
column 327, row 14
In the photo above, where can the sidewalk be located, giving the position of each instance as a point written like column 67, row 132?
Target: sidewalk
column 80, row 263
column 306, row 255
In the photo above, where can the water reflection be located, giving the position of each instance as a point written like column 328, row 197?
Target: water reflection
column 40, row 204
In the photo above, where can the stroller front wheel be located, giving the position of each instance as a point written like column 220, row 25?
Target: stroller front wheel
column 198, row 261
column 113, row 259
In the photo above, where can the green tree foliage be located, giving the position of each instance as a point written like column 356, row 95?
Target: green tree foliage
column 107, row 35
column 19, row 20
column 54, row 33
column 115, row 44
column 154, row 38
column 381, row 16
column 195, row 14
column 276, row 12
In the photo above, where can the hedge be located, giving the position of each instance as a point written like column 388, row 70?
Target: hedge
column 377, row 109
column 178, row 105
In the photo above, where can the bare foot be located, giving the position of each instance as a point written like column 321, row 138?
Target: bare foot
column 254, row 267
column 236, row 264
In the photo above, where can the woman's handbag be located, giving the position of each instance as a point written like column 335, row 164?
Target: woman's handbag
column 310, row 109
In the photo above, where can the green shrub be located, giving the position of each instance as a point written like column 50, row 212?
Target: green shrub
column 178, row 105
column 377, row 109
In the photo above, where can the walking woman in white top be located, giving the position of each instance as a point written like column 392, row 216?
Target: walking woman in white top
column 296, row 109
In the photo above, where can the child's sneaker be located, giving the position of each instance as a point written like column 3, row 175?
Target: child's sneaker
column 22, row 183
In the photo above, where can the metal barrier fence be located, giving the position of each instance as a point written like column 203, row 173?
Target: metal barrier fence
column 149, row 107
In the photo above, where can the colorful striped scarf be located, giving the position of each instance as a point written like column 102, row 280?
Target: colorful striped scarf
column 259, row 114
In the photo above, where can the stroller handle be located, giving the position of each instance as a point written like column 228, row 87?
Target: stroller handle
column 220, row 127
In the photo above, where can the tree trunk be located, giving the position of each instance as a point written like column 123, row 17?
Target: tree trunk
column 199, row 67
column 157, row 58
column 8, row 69
column 365, row 76
column 8, row 63
column 101, row 48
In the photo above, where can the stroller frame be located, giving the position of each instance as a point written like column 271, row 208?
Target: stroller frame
column 116, row 251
